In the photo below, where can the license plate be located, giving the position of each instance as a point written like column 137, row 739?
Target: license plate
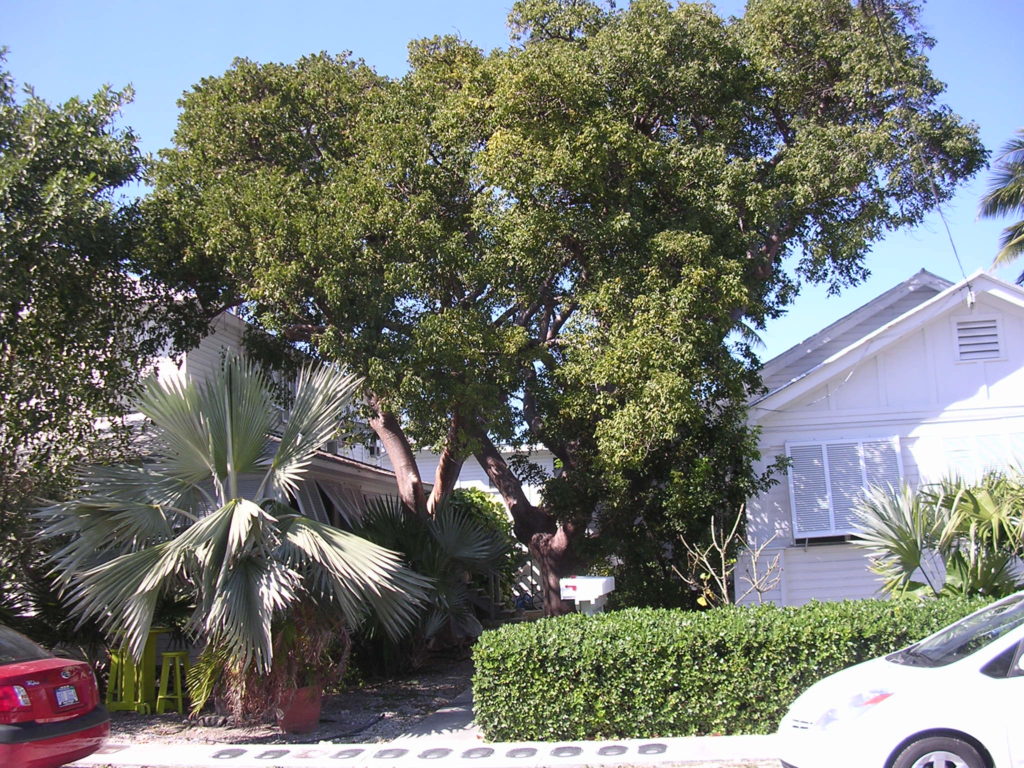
column 66, row 696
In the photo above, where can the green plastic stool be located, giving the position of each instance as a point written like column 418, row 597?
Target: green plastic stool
column 175, row 662
column 124, row 691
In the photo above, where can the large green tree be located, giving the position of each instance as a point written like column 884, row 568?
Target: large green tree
column 555, row 243
column 79, row 324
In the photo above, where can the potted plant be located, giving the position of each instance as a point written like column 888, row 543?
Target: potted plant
column 311, row 651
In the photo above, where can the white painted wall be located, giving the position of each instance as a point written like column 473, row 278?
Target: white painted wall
column 948, row 415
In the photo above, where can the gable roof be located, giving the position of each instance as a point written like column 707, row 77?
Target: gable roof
column 871, row 328
column 813, row 350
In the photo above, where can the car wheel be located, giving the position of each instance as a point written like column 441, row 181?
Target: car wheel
column 940, row 752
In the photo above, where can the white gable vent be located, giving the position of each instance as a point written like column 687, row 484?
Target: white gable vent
column 977, row 340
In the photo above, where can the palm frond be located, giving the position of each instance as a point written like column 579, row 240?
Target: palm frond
column 98, row 529
column 122, row 593
column 183, row 432
column 1011, row 245
column 901, row 535
column 241, row 613
column 202, row 677
column 1005, row 197
column 141, row 484
column 361, row 576
column 321, row 395
column 463, row 539
column 237, row 407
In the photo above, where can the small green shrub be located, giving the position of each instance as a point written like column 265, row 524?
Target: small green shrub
column 642, row 673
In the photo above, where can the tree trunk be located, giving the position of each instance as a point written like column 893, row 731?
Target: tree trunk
column 549, row 543
column 553, row 553
column 449, row 464
column 403, row 460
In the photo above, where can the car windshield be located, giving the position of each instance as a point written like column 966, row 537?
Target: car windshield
column 15, row 648
column 966, row 636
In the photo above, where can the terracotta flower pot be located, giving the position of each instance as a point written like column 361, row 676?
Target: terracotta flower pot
column 299, row 710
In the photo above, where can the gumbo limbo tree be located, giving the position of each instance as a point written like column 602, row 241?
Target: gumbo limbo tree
column 557, row 243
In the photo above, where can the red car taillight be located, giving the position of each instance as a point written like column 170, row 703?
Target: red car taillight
column 13, row 698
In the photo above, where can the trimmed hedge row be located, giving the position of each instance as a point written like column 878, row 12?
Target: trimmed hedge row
column 641, row 673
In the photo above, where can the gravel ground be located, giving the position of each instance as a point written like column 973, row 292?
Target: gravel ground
column 372, row 713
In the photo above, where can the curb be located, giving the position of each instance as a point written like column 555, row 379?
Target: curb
column 440, row 751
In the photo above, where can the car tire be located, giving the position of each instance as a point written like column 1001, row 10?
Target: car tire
column 940, row 752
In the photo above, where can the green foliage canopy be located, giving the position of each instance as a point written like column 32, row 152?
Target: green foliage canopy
column 79, row 320
column 553, row 243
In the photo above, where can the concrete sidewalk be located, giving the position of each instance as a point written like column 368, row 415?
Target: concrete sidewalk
column 453, row 723
column 448, row 737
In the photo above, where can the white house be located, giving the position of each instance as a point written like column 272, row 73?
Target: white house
column 926, row 379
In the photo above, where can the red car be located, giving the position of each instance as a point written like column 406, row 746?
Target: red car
column 50, row 711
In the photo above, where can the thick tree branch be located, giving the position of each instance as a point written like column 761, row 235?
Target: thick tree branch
column 403, row 461
column 449, row 464
column 302, row 331
column 527, row 519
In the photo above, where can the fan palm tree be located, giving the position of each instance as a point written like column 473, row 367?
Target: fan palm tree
column 1006, row 198
column 948, row 537
column 182, row 522
column 450, row 547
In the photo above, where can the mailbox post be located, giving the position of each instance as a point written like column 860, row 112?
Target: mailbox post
column 589, row 592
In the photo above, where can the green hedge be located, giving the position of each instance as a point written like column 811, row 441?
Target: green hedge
column 642, row 673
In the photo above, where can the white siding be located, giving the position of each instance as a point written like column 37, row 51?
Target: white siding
column 832, row 572
column 906, row 383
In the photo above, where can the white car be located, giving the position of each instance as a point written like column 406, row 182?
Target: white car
column 953, row 700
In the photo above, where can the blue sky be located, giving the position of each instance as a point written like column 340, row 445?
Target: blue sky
column 66, row 48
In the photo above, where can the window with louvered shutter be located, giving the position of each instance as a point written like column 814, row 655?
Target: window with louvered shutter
column 977, row 339
column 807, row 478
column 827, row 479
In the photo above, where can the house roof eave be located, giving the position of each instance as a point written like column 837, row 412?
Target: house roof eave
column 922, row 278
column 886, row 335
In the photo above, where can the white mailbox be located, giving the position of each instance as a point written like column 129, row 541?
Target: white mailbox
column 589, row 592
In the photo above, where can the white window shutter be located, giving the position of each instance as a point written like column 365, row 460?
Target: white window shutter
column 828, row 479
column 808, row 486
column 846, row 478
column 882, row 465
